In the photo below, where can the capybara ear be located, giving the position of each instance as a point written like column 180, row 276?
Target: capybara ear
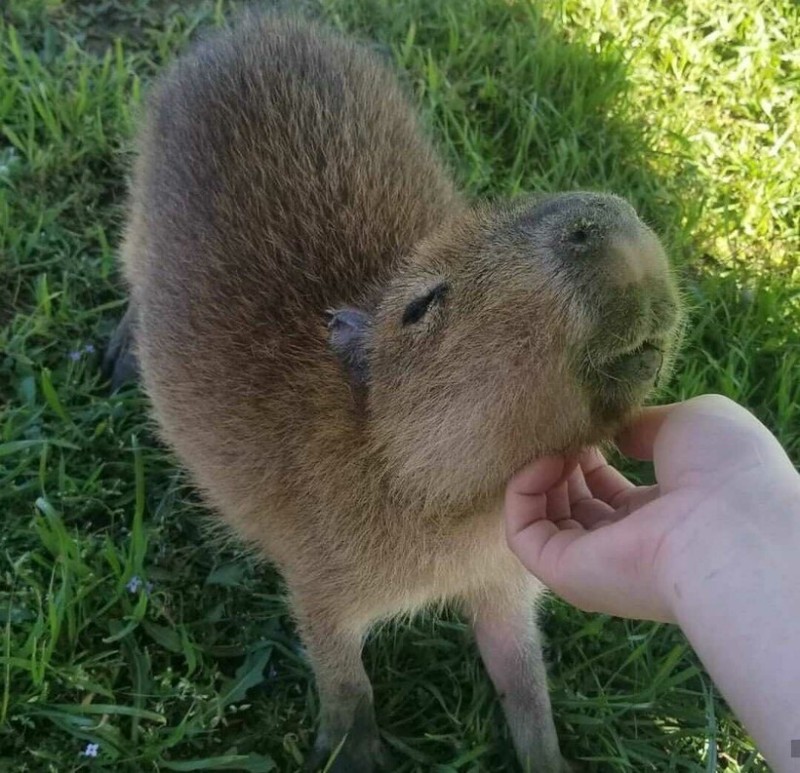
column 348, row 329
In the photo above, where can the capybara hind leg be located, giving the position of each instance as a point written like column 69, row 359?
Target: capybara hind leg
column 510, row 645
column 347, row 739
column 119, row 360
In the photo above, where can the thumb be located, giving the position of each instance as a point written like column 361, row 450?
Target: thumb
column 702, row 440
column 639, row 437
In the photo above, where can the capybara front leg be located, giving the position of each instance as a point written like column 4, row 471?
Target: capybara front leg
column 348, row 736
column 510, row 645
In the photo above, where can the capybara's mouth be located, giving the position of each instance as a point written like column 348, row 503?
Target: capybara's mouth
column 621, row 380
column 638, row 366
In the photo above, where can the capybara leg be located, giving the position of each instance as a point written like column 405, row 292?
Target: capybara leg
column 119, row 359
column 347, row 739
column 510, row 645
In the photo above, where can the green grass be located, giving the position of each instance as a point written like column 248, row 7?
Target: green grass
column 687, row 109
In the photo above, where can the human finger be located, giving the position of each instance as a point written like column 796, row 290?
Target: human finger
column 603, row 481
column 526, row 493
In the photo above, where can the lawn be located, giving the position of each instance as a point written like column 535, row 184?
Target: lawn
column 125, row 625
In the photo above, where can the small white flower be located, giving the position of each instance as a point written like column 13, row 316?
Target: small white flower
column 134, row 583
column 91, row 750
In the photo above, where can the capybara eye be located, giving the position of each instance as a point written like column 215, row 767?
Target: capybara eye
column 417, row 309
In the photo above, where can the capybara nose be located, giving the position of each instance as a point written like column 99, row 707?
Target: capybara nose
column 603, row 235
column 635, row 257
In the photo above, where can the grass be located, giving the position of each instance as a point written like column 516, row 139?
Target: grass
column 688, row 109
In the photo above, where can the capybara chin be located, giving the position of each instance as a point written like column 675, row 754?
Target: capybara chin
column 351, row 359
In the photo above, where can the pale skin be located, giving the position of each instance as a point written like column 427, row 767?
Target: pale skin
column 714, row 547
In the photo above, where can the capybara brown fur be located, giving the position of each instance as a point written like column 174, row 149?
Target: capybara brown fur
column 351, row 359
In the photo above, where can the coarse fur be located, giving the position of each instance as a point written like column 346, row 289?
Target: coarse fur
column 351, row 359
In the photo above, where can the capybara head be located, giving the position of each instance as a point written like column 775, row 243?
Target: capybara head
column 512, row 331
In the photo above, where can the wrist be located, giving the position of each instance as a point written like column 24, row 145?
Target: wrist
column 743, row 536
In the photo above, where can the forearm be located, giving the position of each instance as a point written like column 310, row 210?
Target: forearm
column 740, row 609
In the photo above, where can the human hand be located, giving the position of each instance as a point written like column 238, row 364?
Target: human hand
column 726, row 497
